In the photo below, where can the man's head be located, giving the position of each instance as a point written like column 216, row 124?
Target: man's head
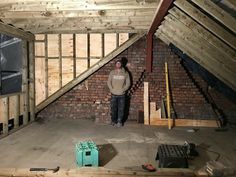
column 118, row 64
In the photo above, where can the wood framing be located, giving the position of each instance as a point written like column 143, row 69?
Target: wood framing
column 219, row 14
column 89, row 72
column 103, row 45
column 88, row 50
column 162, row 9
column 60, row 59
column 74, row 56
column 32, row 80
column 46, row 64
column 208, row 54
column 99, row 172
column 186, row 122
column 195, row 52
column 23, row 102
column 12, row 31
column 5, row 115
column 17, row 103
column 211, row 50
column 201, row 31
column 207, row 22
column 25, row 86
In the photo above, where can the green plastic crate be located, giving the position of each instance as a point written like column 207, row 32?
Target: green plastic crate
column 86, row 154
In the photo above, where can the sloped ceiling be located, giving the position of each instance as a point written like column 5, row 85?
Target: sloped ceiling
column 206, row 33
column 62, row 16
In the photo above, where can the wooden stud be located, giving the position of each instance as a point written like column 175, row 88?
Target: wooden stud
column 32, row 80
column 146, row 104
column 46, row 65
column 25, row 86
column 74, row 55
column 103, row 45
column 90, row 71
column 16, row 119
column 207, row 22
column 5, row 114
column 117, row 40
column 60, row 60
column 88, row 50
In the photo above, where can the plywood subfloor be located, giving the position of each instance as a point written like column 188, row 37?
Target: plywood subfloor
column 50, row 143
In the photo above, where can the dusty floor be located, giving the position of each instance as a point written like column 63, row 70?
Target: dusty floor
column 50, row 143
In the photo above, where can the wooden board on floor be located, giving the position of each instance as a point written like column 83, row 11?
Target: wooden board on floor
column 185, row 122
column 97, row 172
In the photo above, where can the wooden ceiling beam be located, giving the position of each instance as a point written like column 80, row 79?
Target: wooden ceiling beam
column 207, row 22
column 199, row 41
column 161, row 11
column 201, row 31
column 77, row 5
column 195, row 52
column 218, row 13
column 74, row 13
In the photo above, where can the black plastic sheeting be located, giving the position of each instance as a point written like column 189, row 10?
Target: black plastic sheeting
column 207, row 76
column 10, row 64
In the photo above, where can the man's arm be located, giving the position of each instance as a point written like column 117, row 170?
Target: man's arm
column 127, row 82
column 109, row 82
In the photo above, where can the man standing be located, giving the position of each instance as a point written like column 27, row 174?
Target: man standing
column 118, row 83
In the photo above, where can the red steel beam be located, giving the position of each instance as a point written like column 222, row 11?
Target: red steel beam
column 161, row 11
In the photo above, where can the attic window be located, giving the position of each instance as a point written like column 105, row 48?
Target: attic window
column 10, row 64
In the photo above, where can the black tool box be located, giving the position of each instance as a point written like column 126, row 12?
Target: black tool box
column 172, row 156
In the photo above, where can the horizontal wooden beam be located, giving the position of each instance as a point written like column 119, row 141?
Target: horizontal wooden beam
column 78, row 14
column 89, row 72
column 218, row 13
column 186, row 122
column 84, row 30
column 98, row 172
column 207, row 22
column 75, row 25
column 15, row 32
column 76, row 5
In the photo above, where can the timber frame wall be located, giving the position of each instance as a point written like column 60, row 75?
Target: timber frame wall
column 61, row 58
column 19, row 107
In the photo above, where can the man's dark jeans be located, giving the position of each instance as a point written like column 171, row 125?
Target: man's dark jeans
column 117, row 108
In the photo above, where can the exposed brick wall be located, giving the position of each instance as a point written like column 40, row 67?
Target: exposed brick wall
column 224, row 104
column 91, row 99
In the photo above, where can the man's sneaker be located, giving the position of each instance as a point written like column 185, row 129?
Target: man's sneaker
column 119, row 124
